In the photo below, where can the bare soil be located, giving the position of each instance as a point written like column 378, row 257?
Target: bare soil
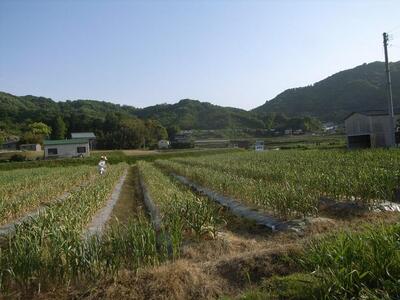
column 130, row 202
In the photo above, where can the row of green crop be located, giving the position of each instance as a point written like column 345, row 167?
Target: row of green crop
column 24, row 190
column 363, row 176
column 50, row 248
column 114, row 157
column 182, row 212
column 282, row 199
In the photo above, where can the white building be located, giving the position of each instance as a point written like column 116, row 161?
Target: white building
column 66, row 148
column 163, row 144
column 85, row 135
column 259, row 146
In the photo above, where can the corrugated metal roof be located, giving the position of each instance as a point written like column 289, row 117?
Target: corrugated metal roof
column 65, row 142
column 83, row 135
column 373, row 113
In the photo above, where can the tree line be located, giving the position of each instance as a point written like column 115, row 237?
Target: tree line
column 114, row 132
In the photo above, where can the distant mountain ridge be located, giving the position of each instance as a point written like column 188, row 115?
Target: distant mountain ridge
column 187, row 114
column 331, row 99
column 358, row 89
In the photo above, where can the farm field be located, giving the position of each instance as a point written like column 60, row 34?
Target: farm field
column 114, row 156
column 290, row 184
column 24, row 190
column 307, row 141
column 186, row 246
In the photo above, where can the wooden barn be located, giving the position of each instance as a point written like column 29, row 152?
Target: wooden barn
column 368, row 129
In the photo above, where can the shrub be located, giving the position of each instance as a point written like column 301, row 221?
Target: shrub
column 18, row 157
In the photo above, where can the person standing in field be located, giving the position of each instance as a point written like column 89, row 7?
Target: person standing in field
column 102, row 165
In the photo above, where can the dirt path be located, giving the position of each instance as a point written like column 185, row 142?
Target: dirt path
column 99, row 220
column 130, row 203
column 235, row 206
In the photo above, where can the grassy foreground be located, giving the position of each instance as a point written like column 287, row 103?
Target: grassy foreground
column 348, row 265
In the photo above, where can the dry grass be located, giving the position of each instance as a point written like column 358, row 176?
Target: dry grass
column 233, row 262
column 178, row 280
column 29, row 155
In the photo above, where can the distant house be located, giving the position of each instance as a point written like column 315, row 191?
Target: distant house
column 10, row 145
column 368, row 129
column 259, row 146
column 298, row 132
column 30, row 147
column 163, row 144
column 182, row 140
column 66, row 148
column 90, row 136
column 288, row 131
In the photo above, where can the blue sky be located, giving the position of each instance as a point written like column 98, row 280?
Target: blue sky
column 230, row 53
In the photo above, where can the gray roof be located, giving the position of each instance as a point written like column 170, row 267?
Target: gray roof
column 10, row 142
column 83, row 135
column 370, row 113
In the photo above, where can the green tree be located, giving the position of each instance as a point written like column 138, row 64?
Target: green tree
column 111, row 123
column 155, row 132
column 270, row 120
column 30, row 138
column 312, row 124
column 2, row 136
column 59, row 129
column 130, row 135
column 172, row 131
column 39, row 128
column 36, row 132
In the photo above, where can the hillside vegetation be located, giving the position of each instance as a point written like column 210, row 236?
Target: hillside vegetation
column 122, row 126
column 192, row 114
column 85, row 114
column 331, row 99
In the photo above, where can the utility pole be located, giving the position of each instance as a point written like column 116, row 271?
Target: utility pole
column 392, row 139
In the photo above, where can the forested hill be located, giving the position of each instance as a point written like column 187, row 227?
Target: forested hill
column 193, row 114
column 360, row 88
column 331, row 99
column 80, row 115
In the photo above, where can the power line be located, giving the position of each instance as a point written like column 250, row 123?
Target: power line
column 394, row 29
